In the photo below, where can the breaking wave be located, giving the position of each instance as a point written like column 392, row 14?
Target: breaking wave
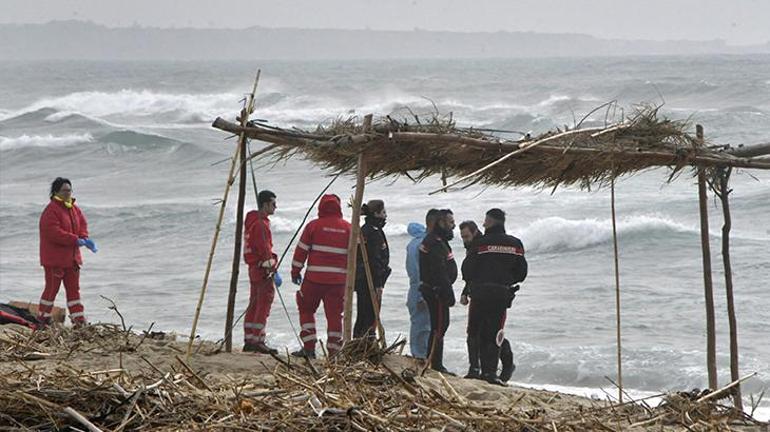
column 44, row 141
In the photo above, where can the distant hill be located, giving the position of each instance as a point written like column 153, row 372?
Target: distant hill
column 85, row 40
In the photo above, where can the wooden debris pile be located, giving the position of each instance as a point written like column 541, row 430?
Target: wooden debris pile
column 363, row 388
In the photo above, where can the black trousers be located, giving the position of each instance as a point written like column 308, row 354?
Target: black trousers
column 473, row 337
column 489, row 316
column 439, row 323
column 365, row 317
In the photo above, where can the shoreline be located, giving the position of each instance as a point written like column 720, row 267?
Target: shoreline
column 105, row 365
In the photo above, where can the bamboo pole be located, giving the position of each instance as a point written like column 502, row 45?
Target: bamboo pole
column 355, row 229
column 214, row 240
column 372, row 292
column 247, row 110
column 723, row 191
column 617, row 290
column 707, row 282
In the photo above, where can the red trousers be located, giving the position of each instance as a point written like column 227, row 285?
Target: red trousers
column 53, row 279
column 260, row 300
column 309, row 297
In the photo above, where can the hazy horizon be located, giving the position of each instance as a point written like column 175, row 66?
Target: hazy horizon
column 740, row 22
column 469, row 32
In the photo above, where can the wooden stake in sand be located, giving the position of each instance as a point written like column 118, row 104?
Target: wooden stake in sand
column 247, row 110
column 707, row 283
column 617, row 289
column 372, row 291
column 355, row 230
column 218, row 228
column 722, row 189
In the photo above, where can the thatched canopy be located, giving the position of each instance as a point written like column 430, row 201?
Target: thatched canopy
column 582, row 155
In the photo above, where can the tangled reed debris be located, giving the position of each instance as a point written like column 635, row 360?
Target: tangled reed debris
column 363, row 388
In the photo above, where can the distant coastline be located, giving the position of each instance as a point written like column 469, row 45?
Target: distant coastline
column 83, row 40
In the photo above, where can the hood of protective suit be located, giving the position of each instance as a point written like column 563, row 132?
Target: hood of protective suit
column 330, row 206
column 416, row 230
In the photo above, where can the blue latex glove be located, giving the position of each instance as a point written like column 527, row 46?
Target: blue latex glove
column 81, row 242
column 296, row 280
column 278, row 280
column 90, row 245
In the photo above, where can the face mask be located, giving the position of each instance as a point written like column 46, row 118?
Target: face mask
column 376, row 221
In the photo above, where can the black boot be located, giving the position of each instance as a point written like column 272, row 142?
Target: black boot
column 443, row 370
column 473, row 373
column 473, row 352
column 492, row 379
column 302, row 352
column 506, row 358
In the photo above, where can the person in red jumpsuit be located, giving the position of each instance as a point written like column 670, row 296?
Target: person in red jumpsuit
column 258, row 254
column 63, row 230
column 324, row 245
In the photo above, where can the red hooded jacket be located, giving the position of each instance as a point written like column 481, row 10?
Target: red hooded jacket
column 60, row 229
column 324, row 244
column 258, row 250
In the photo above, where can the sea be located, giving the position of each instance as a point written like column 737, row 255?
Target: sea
column 149, row 172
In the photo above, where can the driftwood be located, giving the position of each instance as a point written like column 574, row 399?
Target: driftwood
column 357, row 390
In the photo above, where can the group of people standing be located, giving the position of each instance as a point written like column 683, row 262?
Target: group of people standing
column 493, row 266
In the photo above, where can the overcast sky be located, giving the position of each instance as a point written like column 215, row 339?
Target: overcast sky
column 737, row 21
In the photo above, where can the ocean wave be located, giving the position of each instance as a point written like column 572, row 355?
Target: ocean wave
column 138, row 140
column 44, row 141
column 106, row 108
column 183, row 107
column 557, row 234
column 127, row 140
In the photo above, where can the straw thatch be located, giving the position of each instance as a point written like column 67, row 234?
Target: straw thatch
column 582, row 156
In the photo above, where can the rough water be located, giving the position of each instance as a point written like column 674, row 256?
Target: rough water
column 136, row 142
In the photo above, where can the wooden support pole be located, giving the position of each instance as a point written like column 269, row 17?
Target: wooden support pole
column 355, row 229
column 214, row 240
column 372, row 292
column 617, row 290
column 723, row 191
column 247, row 109
column 708, row 288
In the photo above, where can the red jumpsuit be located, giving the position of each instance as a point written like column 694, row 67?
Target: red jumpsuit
column 258, row 254
column 324, row 244
column 60, row 229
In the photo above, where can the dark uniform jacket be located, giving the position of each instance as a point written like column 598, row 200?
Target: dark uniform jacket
column 438, row 269
column 494, row 265
column 377, row 251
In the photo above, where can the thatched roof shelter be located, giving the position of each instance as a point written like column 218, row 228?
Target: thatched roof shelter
column 582, row 156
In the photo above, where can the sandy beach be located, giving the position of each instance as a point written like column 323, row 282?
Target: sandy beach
column 115, row 379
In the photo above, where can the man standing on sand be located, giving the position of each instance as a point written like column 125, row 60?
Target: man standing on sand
column 419, row 331
column 469, row 232
column 263, row 279
column 494, row 266
column 438, row 271
column 324, row 244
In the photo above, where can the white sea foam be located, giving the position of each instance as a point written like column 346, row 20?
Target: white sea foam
column 48, row 141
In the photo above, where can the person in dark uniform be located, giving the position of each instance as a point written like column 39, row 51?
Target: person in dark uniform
column 494, row 266
column 438, row 271
column 469, row 232
column 378, row 256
